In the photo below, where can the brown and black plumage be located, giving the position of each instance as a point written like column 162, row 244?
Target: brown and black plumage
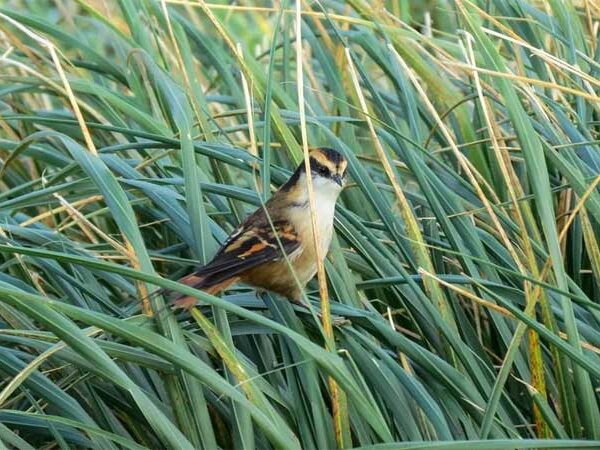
column 254, row 252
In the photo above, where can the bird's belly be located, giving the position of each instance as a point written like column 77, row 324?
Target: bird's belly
column 276, row 276
column 305, row 264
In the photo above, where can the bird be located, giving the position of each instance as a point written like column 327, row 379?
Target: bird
column 255, row 252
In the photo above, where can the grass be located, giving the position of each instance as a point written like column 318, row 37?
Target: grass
column 136, row 134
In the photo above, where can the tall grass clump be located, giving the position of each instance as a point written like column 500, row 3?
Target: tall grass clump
column 464, row 275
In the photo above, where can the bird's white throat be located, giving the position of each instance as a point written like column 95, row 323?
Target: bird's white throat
column 326, row 193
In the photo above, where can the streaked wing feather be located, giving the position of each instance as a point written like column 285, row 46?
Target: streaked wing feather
column 250, row 247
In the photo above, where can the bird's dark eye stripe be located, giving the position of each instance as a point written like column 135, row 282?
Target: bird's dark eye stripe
column 319, row 168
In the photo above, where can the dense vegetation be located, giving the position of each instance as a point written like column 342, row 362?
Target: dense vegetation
column 464, row 277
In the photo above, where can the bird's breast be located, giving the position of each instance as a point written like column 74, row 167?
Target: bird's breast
column 305, row 263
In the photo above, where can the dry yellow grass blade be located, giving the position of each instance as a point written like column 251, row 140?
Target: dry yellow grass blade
column 468, row 169
column 338, row 401
column 498, row 309
column 59, row 209
column 63, row 78
column 511, row 181
column 34, row 364
column 416, row 238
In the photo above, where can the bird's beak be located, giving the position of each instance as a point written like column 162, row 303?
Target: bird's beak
column 338, row 179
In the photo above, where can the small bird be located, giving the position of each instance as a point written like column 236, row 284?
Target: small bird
column 254, row 252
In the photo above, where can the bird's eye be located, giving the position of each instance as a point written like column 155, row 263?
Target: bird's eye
column 323, row 171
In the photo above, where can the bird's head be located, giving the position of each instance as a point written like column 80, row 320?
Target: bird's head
column 328, row 169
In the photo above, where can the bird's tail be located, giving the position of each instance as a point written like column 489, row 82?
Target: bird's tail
column 208, row 284
column 203, row 282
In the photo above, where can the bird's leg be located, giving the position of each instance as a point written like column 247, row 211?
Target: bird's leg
column 335, row 320
column 300, row 302
column 262, row 294
column 338, row 321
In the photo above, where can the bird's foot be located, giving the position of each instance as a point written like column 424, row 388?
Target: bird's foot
column 337, row 321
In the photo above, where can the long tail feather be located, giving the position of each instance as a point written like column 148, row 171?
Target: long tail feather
column 206, row 284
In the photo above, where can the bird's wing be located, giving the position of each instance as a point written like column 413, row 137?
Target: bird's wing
column 249, row 246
